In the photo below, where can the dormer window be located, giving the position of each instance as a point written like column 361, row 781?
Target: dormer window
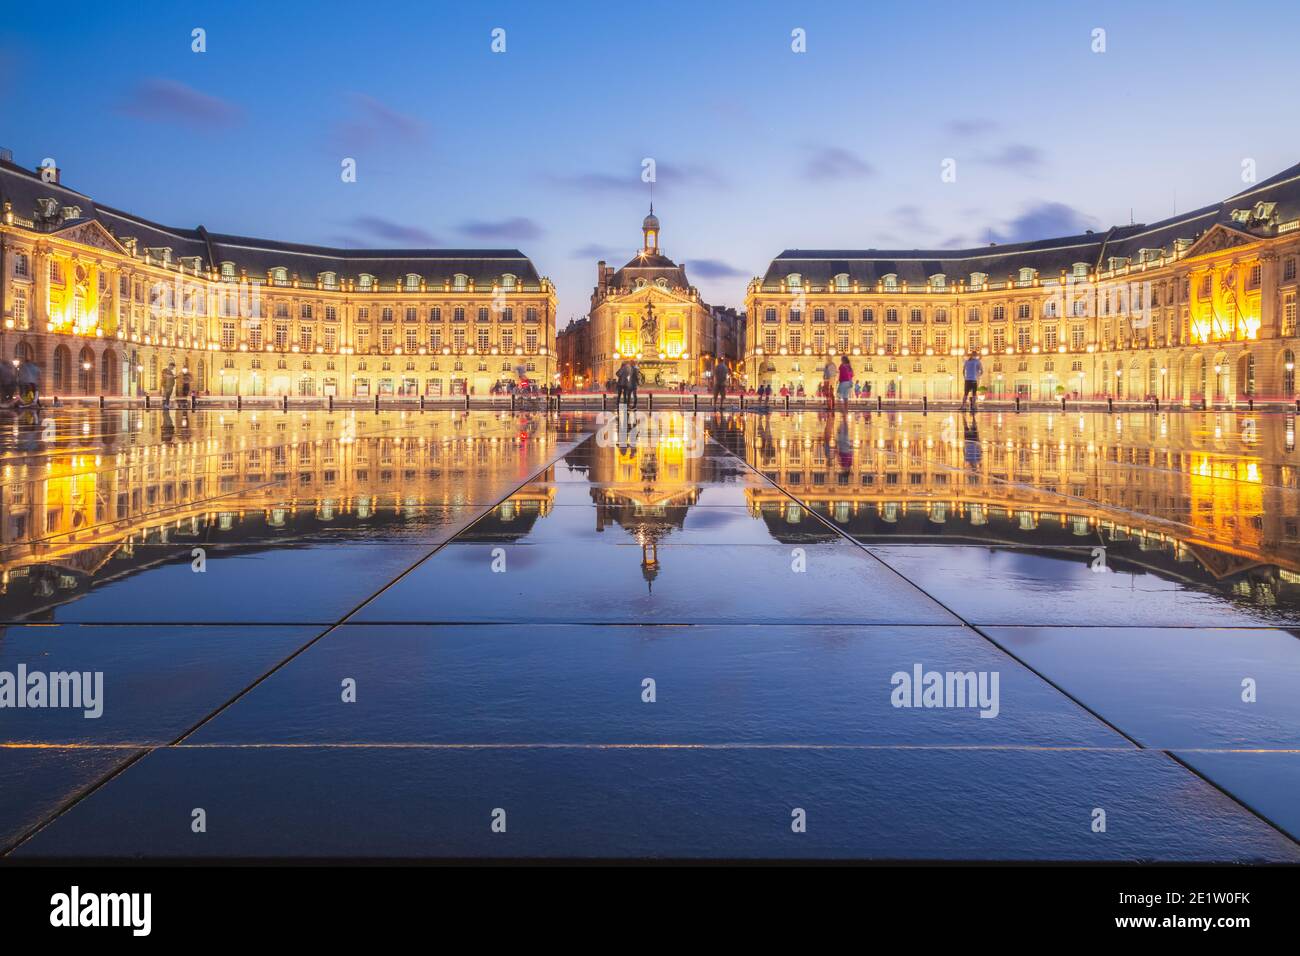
column 1117, row 262
column 1026, row 276
column 228, row 270
column 279, row 276
column 1149, row 255
column 938, row 281
column 640, row 283
column 1081, row 270
column 890, row 282
column 460, row 282
column 412, row 282
column 662, row 283
column 508, row 282
column 794, row 281
column 162, row 254
column 842, row 282
column 978, row 280
column 365, row 282
column 329, row 280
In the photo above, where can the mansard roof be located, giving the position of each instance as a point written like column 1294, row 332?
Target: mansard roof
column 24, row 189
column 1257, row 211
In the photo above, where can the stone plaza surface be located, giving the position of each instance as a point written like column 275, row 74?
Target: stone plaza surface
column 500, row 588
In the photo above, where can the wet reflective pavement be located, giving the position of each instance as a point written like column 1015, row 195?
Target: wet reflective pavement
column 664, row 637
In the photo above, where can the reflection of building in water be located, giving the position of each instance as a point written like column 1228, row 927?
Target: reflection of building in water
column 113, row 486
column 1214, row 495
column 646, row 485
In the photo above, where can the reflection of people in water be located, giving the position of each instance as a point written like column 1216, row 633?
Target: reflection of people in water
column 972, row 451
column 843, row 445
column 168, row 426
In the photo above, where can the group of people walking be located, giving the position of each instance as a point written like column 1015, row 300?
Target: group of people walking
column 838, row 382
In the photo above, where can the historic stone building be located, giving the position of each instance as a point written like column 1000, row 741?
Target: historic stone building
column 103, row 301
column 648, row 311
column 1199, row 307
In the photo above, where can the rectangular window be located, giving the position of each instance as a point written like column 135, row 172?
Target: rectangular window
column 1288, row 314
column 507, row 339
column 386, row 339
column 20, row 265
column 305, row 338
column 282, row 335
column 228, row 336
column 21, row 319
column 482, row 338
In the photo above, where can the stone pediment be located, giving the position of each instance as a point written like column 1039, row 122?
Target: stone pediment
column 1217, row 238
column 91, row 232
column 652, row 293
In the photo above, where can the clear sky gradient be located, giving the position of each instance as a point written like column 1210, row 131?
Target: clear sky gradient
column 758, row 148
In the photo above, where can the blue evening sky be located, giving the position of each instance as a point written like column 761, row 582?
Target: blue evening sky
column 758, row 148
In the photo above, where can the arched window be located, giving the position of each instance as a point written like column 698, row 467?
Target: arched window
column 889, row 282
column 108, row 373
column 460, row 282
column 508, row 281
column 86, row 371
column 794, row 281
column 280, row 276
column 412, row 282
column 1288, row 373
column 938, row 281
column 365, row 281
column 61, row 374
column 842, row 282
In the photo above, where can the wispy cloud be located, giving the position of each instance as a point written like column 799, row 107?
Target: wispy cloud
column 518, row 227
column 596, row 252
column 971, row 127
column 836, row 163
column 716, row 269
column 1014, row 156
column 668, row 177
column 390, row 231
column 158, row 100
column 911, row 219
column 373, row 123
column 1044, row 220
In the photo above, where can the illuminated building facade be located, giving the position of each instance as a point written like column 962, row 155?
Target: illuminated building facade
column 1199, row 307
column 103, row 301
column 648, row 311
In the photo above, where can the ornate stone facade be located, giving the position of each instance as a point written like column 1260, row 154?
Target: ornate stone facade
column 104, row 301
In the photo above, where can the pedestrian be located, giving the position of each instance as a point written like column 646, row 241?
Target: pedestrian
column 719, row 383
column 633, row 380
column 971, row 371
column 846, row 381
column 187, row 382
column 168, row 384
column 623, row 381
column 829, row 374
